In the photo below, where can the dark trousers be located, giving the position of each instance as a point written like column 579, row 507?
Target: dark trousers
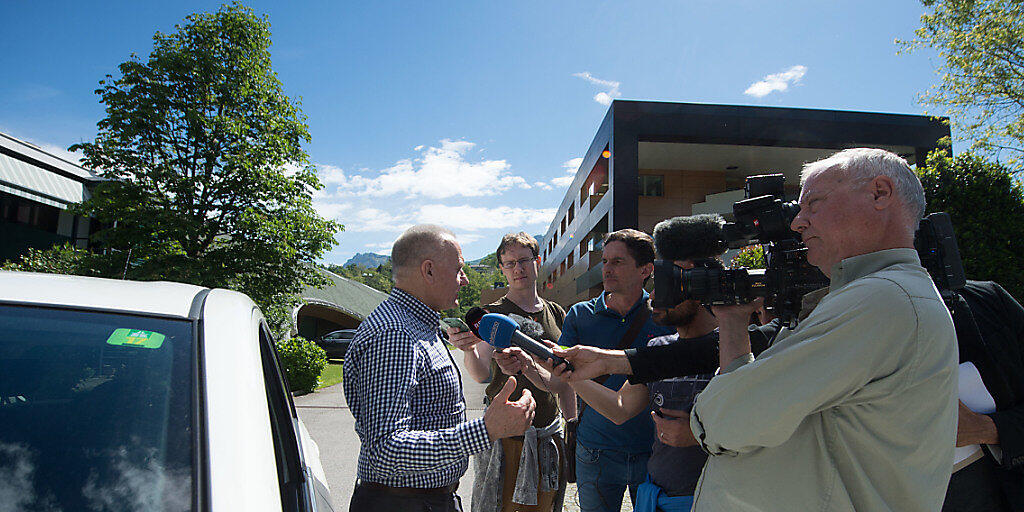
column 975, row 488
column 365, row 499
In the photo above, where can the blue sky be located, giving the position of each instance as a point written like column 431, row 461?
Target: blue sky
column 469, row 113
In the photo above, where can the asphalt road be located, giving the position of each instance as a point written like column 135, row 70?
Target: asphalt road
column 329, row 421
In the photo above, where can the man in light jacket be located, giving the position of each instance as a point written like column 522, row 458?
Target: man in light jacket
column 855, row 408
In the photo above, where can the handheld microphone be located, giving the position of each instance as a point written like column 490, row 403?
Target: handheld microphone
column 503, row 332
column 473, row 317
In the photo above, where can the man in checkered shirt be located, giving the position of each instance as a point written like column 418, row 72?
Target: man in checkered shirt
column 405, row 392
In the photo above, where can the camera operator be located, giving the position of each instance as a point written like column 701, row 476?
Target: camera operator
column 855, row 408
column 695, row 241
column 989, row 469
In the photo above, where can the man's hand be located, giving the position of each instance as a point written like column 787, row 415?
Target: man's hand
column 737, row 313
column 974, row 428
column 506, row 419
column 674, row 429
column 589, row 362
column 733, row 338
column 464, row 340
column 512, row 360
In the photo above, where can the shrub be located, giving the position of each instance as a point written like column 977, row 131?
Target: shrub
column 987, row 208
column 303, row 362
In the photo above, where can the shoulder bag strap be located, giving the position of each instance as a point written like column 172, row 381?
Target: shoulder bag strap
column 627, row 340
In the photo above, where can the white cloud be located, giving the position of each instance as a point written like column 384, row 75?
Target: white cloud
column 467, row 238
column 776, row 82
column 604, row 97
column 471, row 218
column 373, row 219
column 562, row 181
column 545, row 186
column 329, row 210
column 330, row 175
column 440, row 172
column 59, row 152
column 381, row 247
column 570, row 166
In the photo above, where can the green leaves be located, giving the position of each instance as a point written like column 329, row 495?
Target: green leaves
column 303, row 362
column 981, row 47
column 195, row 144
column 987, row 208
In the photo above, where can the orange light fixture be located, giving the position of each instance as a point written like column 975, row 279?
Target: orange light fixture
column 606, row 154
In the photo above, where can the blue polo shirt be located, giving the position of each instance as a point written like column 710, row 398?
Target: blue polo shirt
column 593, row 323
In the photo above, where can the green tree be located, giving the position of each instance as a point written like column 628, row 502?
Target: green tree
column 491, row 260
column 207, row 181
column 469, row 295
column 981, row 51
column 987, row 208
column 378, row 278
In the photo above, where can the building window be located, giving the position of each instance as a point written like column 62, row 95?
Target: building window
column 23, row 211
column 652, row 186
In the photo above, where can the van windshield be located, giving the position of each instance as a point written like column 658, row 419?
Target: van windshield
column 95, row 411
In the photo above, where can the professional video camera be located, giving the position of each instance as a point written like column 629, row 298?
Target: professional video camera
column 764, row 217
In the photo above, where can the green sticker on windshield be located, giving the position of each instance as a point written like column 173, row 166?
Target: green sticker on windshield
column 136, row 338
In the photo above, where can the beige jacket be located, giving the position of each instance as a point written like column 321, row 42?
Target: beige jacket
column 855, row 409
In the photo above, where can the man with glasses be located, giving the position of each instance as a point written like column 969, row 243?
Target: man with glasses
column 500, row 482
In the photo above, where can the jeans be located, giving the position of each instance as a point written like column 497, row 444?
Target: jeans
column 602, row 477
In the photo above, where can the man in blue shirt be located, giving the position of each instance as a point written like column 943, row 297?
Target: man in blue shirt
column 610, row 457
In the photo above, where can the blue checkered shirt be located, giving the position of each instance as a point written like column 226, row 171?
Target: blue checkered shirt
column 405, row 393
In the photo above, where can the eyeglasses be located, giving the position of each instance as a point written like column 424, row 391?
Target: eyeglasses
column 509, row 265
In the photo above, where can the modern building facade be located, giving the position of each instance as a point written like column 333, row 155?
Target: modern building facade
column 653, row 160
column 36, row 189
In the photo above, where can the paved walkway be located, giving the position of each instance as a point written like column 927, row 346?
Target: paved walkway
column 329, row 421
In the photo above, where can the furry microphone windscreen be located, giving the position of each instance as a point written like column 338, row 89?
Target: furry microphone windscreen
column 528, row 327
column 690, row 237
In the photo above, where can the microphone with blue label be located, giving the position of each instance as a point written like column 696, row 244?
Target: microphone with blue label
column 502, row 332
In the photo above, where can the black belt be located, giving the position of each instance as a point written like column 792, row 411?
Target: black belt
column 448, row 489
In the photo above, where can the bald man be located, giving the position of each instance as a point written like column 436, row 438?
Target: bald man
column 405, row 392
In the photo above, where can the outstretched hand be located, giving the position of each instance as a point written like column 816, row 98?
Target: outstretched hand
column 559, row 371
column 512, row 360
column 588, row 362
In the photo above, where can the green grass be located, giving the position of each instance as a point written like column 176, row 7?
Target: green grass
column 331, row 374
